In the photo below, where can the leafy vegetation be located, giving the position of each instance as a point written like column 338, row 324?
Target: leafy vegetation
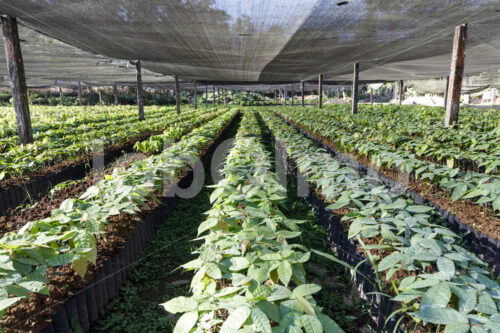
column 418, row 261
column 65, row 133
column 173, row 133
column 480, row 188
column 248, row 277
column 69, row 234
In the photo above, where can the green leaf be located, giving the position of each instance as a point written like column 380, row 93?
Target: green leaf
column 35, row 287
column 340, row 202
column 457, row 328
column 496, row 204
column 271, row 310
column 305, row 305
column 311, row 324
column 420, row 209
column 446, row 267
column 398, row 204
column 180, row 304
column 458, row 192
column 261, row 321
column 213, row 270
column 285, row 272
column 279, row 293
column 468, row 301
column 355, row 228
column 204, row 226
column 186, row 322
column 235, row 319
column 390, row 261
column 216, row 193
column 306, row 290
column 6, row 302
column 441, row 316
column 271, row 256
column 329, row 326
column 436, row 297
column 237, row 263
column 80, row 266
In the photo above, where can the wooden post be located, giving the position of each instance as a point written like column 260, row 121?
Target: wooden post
column 320, row 92
column 292, row 92
column 355, row 86
column 177, row 95
column 371, row 96
column 206, row 96
column 401, row 87
column 302, row 93
column 18, row 85
column 446, row 91
column 100, row 96
column 275, row 95
column 224, row 96
column 213, row 90
column 456, row 73
column 80, row 93
column 195, row 95
column 115, row 93
column 140, row 105
column 61, row 95
column 284, row 95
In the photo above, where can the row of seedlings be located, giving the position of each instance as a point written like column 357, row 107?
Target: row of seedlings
column 479, row 188
column 69, row 234
column 156, row 143
column 248, row 276
column 417, row 260
column 64, row 144
column 472, row 145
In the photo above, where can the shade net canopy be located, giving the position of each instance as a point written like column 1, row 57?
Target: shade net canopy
column 268, row 41
column 48, row 61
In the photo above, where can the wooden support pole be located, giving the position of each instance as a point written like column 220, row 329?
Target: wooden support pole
column 401, row 88
column 80, row 93
column 224, row 96
column 302, row 93
column 206, row 96
column 456, row 75
column 61, row 95
column 292, row 92
column 320, row 92
column 446, row 91
column 177, row 95
column 115, row 93
column 17, row 77
column 140, row 105
column 213, row 90
column 275, row 96
column 355, row 86
column 284, row 95
column 100, row 96
column 195, row 95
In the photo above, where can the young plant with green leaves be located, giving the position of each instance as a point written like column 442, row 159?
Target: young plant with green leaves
column 479, row 188
column 418, row 261
column 69, row 234
column 249, row 277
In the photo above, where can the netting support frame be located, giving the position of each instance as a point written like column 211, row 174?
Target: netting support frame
column 456, row 75
column 355, row 86
column 320, row 91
